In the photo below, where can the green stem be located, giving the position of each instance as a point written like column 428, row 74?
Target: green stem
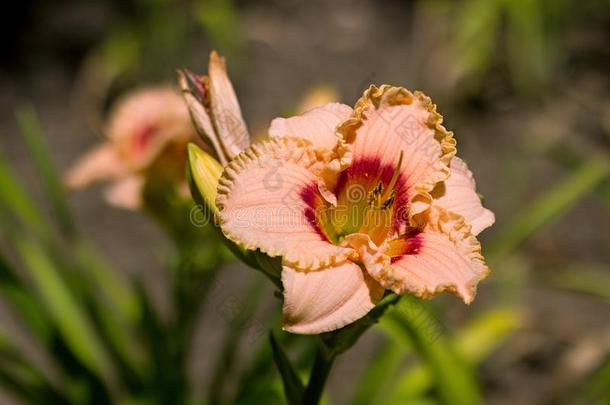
column 319, row 373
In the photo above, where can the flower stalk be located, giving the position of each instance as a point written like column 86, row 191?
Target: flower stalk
column 319, row 374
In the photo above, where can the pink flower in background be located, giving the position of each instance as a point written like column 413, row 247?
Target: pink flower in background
column 142, row 127
column 357, row 202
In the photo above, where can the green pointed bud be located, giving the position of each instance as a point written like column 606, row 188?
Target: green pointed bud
column 204, row 173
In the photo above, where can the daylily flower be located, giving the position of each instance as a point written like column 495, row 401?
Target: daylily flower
column 357, row 202
column 144, row 127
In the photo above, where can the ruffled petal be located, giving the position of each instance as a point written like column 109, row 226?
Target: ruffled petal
column 444, row 256
column 126, row 193
column 458, row 194
column 99, row 164
column 368, row 252
column 327, row 299
column 317, row 125
column 390, row 120
column 267, row 200
column 226, row 113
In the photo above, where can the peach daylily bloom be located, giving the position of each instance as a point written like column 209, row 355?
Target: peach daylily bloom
column 142, row 127
column 357, row 202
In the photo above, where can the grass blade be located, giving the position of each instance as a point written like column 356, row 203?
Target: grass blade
column 34, row 139
column 378, row 374
column 412, row 322
column 72, row 323
column 549, row 206
column 474, row 342
column 484, row 334
column 14, row 199
column 114, row 288
column 582, row 278
column 22, row 302
column 240, row 323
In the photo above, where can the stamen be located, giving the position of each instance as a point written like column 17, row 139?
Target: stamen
column 390, row 189
column 374, row 214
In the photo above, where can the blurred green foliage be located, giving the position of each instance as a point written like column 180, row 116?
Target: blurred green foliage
column 104, row 339
column 524, row 37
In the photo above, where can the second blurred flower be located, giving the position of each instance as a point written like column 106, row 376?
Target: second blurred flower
column 148, row 126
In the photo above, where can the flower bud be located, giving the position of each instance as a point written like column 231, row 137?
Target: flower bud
column 204, row 173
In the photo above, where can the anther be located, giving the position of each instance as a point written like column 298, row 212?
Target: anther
column 373, row 197
column 388, row 203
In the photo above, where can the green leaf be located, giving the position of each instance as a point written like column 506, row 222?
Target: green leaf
column 114, row 288
column 243, row 325
column 24, row 378
column 15, row 200
column 583, row 278
column 571, row 159
column 157, row 343
column 549, row 206
column 260, row 370
column 412, row 322
column 96, row 277
column 220, row 20
column 476, row 35
column 32, row 133
column 293, row 386
column 486, row 332
column 26, row 384
column 529, row 48
column 412, row 385
column 72, row 323
column 121, row 339
column 474, row 342
column 22, row 303
column 379, row 373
